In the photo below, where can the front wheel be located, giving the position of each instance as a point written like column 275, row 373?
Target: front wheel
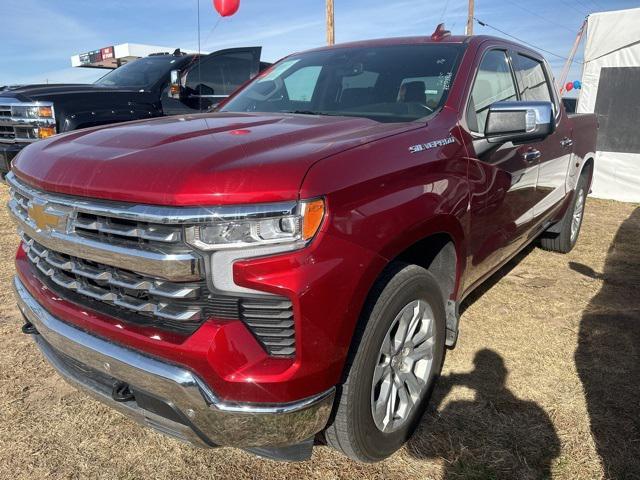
column 391, row 373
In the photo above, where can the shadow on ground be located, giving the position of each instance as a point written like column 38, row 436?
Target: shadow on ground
column 495, row 435
column 608, row 354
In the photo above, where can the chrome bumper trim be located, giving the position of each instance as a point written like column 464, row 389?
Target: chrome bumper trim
column 130, row 409
column 222, row 423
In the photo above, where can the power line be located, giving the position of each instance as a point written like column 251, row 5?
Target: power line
column 600, row 7
column 573, row 6
column 589, row 9
column 485, row 24
column 444, row 10
column 539, row 16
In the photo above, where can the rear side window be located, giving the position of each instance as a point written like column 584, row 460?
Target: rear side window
column 532, row 80
column 494, row 83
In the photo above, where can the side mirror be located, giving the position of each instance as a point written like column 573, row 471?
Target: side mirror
column 175, row 87
column 519, row 121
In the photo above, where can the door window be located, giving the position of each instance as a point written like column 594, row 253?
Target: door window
column 220, row 75
column 532, row 80
column 494, row 83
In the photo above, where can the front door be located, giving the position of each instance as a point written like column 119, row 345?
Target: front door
column 502, row 176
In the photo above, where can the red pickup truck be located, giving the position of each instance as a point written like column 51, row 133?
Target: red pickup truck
column 293, row 263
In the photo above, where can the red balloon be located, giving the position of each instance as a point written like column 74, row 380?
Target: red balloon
column 569, row 86
column 226, row 8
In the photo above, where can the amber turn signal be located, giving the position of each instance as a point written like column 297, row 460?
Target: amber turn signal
column 46, row 132
column 312, row 217
column 45, row 112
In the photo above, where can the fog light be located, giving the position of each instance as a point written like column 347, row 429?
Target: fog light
column 46, row 132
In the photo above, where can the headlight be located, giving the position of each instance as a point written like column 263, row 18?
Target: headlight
column 42, row 111
column 300, row 225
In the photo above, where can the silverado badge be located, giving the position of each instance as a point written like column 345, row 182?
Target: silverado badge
column 436, row 143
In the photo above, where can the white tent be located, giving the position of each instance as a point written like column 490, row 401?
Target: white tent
column 611, row 89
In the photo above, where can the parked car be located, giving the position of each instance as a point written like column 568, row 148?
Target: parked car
column 153, row 86
column 294, row 262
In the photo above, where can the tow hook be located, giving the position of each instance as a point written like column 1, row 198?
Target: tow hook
column 122, row 393
column 29, row 329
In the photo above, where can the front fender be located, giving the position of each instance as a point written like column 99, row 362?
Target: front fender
column 387, row 209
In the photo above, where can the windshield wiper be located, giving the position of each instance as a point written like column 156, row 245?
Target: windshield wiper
column 306, row 112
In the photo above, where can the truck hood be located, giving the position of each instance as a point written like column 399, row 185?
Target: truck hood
column 26, row 93
column 210, row 159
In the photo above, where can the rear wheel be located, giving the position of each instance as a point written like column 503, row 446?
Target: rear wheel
column 391, row 373
column 571, row 223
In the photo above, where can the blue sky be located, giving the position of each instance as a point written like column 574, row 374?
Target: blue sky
column 44, row 34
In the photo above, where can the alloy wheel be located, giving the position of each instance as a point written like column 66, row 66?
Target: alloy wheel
column 405, row 362
column 576, row 219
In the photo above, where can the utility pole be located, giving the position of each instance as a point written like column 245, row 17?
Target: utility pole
column 331, row 31
column 469, row 30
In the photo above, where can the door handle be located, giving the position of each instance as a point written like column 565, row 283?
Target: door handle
column 531, row 155
column 566, row 142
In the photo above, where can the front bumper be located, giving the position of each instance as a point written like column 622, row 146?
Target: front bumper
column 169, row 398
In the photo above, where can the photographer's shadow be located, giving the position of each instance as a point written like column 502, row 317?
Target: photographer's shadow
column 495, row 435
column 608, row 354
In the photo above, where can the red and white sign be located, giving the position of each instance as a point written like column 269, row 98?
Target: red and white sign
column 107, row 53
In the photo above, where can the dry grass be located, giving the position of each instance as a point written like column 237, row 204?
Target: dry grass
column 543, row 383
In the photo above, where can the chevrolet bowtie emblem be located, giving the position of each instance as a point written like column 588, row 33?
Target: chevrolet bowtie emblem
column 46, row 220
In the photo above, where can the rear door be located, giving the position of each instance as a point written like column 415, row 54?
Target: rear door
column 535, row 84
column 218, row 75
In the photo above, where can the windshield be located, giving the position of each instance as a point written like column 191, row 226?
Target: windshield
column 400, row 83
column 142, row 73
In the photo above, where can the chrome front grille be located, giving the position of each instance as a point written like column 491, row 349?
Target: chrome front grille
column 132, row 262
column 96, row 226
column 86, row 230
column 105, row 228
column 143, row 295
column 6, row 133
column 18, row 125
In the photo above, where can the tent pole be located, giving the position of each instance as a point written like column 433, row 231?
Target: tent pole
column 572, row 54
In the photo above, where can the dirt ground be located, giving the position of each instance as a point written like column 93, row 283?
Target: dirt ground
column 544, row 383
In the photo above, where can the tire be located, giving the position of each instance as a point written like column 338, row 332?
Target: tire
column 354, row 431
column 571, row 223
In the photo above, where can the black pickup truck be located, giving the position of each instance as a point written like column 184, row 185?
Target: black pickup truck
column 160, row 84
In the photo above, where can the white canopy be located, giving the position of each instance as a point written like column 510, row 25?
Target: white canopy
column 613, row 44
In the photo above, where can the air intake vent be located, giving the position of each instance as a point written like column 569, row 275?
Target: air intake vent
column 271, row 321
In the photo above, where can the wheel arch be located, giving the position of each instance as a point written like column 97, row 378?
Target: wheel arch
column 588, row 167
column 437, row 246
